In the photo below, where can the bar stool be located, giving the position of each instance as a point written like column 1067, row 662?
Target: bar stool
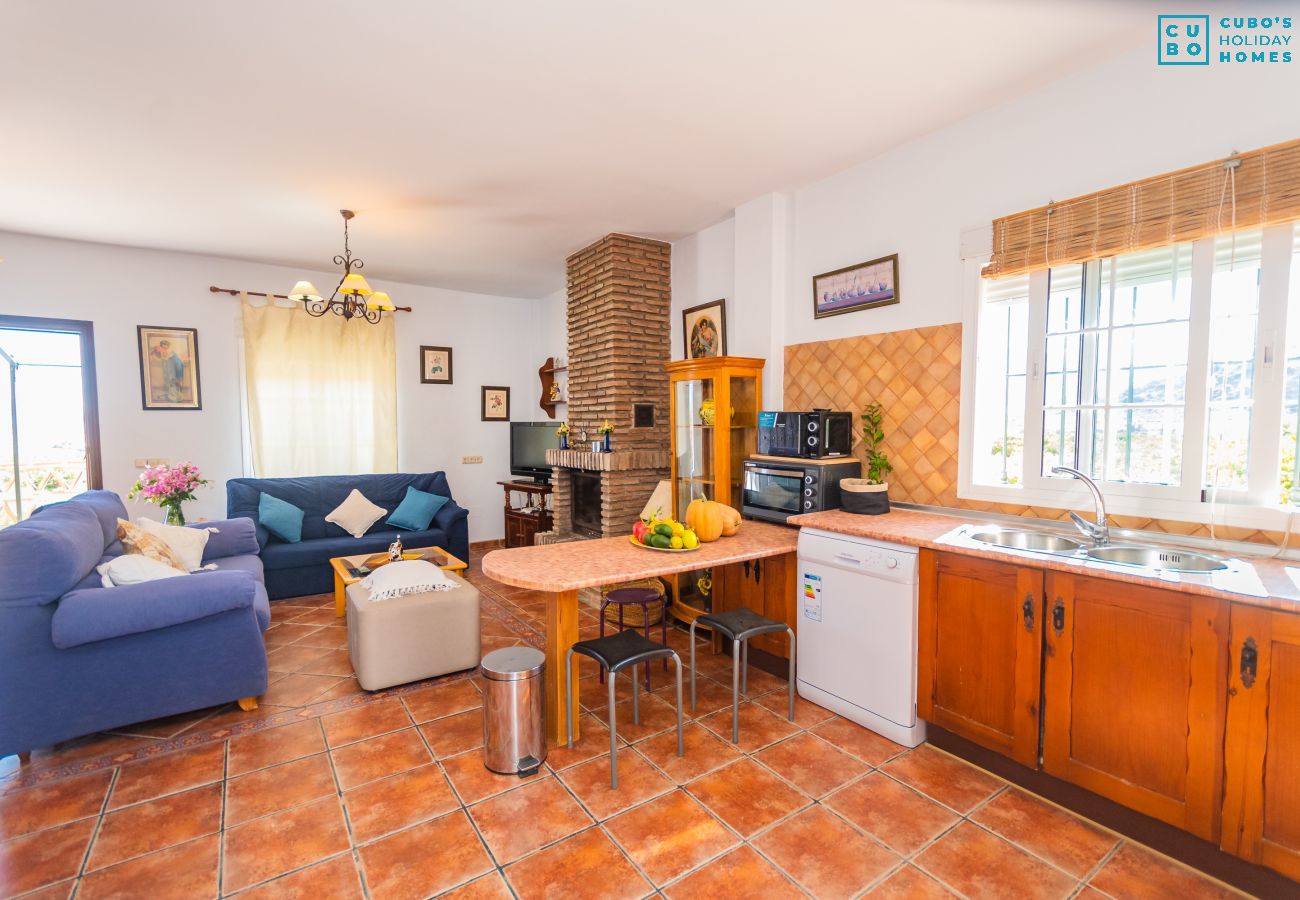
column 624, row 650
column 635, row 596
column 740, row 625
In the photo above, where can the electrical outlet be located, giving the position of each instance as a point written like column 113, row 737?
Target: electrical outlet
column 471, row 460
column 141, row 463
column 144, row 462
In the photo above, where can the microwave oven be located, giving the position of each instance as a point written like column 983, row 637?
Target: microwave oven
column 808, row 435
column 774, row 490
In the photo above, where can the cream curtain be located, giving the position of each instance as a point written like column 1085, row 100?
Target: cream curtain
column 322, row 393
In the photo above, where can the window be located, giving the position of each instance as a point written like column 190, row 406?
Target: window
column 49, row 423
column 1153, row 372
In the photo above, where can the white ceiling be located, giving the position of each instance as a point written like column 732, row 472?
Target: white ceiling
column 481, row 142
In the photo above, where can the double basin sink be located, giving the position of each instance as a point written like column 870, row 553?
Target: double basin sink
column 1138, row 555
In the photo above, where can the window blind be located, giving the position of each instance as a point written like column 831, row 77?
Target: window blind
column 1248, row 190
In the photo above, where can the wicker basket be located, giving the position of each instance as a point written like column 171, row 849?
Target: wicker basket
column 632, row 613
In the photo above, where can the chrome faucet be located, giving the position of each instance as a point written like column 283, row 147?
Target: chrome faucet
column 1099, row 531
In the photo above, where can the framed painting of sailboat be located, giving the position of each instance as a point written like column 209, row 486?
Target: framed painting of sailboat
column 861, row 286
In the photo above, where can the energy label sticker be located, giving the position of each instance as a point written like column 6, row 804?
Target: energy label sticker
column 812, row 597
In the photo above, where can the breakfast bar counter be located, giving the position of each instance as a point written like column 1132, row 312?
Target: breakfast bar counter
column 564, row 569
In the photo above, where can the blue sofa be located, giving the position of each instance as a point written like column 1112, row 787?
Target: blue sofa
column 76, row 657
column 293, row 570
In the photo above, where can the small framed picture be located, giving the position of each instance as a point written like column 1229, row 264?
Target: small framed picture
column 496, row 404
column 704, row 330
column 435, row 365
column 169, row 367
column 861, row 286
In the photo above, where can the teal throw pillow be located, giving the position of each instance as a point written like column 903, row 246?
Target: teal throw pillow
column 281, row 518
column 416, row 510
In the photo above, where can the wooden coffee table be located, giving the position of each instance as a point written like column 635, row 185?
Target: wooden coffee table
column 342, row 577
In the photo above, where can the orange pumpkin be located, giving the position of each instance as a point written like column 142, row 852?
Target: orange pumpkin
column 704, row 517
column 730, row 520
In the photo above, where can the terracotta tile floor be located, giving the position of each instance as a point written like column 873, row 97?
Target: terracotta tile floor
column 328, row 791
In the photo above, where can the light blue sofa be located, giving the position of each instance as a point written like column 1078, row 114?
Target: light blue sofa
column 302, row 568
column 76, row 657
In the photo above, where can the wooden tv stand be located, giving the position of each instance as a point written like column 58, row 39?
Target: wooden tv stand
column 523, row 522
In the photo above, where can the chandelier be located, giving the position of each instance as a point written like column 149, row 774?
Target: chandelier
column 352, row 297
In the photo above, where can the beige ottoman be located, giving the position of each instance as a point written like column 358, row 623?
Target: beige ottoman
column 413, row 637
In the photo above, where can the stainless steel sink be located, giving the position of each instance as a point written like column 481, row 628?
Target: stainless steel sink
column 1028, row 540
column 1157, row 558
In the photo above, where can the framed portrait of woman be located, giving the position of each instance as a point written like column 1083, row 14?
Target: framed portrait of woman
column 704, row 330
column 169, row 367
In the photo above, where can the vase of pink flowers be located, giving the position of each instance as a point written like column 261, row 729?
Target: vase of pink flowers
column 169, row 487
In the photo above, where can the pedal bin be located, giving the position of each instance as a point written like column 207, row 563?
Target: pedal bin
column 513, row 740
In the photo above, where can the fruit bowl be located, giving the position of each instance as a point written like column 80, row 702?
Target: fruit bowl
column 637, row 543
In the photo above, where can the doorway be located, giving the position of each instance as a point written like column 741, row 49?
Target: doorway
column 49, row 414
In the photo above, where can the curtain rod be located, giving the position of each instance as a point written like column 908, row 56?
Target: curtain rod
column 234, row 293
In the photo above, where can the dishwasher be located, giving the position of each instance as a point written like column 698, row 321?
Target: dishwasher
column 857, row 632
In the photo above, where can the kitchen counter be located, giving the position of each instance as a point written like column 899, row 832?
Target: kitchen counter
column 561, row 570
column 925, row 529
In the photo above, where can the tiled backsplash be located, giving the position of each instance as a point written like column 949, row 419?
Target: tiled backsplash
column 915, row 375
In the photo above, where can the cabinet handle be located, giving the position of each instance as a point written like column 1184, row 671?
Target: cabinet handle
column 1249, row 662
column 1027, row 610
column 746, row 568
column 1058, row 616
column 758, row 571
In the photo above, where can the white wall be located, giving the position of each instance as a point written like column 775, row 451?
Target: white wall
column 1122, row 120
column 495, row 340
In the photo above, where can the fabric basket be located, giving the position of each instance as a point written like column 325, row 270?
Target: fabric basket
column 857, row 495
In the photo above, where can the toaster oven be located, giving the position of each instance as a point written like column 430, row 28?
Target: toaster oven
column 775, row 489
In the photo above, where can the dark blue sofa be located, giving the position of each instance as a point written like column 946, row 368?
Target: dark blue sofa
column 293, row 570
column 76, row 657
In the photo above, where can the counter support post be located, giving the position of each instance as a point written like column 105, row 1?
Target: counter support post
column 561, row 634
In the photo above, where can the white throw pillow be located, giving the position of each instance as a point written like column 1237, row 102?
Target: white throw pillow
column 186, row 543
column 134, row 568
column 356, row 514
column 409, row 576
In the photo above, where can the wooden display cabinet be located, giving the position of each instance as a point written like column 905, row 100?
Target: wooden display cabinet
column 713, row 416
column 523, row 522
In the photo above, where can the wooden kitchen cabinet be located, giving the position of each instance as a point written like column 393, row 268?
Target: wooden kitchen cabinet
column 767, row 586
column 980, row 654
column 1261, row 805
column 1134, row 696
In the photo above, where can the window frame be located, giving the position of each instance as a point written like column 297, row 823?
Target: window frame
column 1257, row 506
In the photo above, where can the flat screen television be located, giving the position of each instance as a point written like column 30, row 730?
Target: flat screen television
column 529, row 442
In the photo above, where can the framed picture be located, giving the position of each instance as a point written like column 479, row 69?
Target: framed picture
column 435, row 365
column 704, row 330
column 169, row 367
column 496, row 404
column 852, row 288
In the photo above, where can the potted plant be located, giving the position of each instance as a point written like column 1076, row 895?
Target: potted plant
column 870, row 495
column 563, row 433
column 606, row 429
column 169, row 487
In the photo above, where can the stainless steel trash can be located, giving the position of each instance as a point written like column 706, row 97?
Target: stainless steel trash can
column 513, row 740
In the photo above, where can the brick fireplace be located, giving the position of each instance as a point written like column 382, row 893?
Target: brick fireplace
column 617, row 309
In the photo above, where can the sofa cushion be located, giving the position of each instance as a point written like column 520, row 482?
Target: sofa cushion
column 186, row 543
column 229, row 537
column 320, row 552
column 107, row 507
column 43, row 557
column 356, row 514
column 416, row 510
column 133, row 568
column 280, row 517
column 136, row 540
column 85, row 616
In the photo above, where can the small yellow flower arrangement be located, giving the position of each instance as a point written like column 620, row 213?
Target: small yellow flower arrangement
column 605, row 427
column 563, row 430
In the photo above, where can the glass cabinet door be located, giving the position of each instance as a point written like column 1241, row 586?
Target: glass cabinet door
column 744, row 429
column 694, row 441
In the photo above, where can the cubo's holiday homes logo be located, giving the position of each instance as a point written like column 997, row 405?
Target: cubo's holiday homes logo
column 1182, row 40
column 1186, row 40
